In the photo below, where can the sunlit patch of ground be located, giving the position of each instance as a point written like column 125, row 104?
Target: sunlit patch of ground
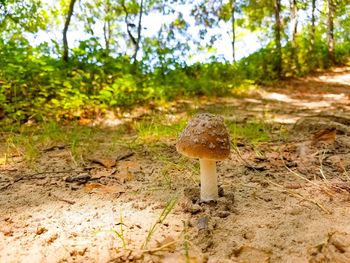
column 338, row 76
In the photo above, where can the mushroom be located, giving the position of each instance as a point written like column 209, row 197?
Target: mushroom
column 206, row 137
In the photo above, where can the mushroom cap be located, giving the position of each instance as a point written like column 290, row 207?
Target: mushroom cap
column 205, row 137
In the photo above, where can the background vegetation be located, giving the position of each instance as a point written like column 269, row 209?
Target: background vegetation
column 72, row 59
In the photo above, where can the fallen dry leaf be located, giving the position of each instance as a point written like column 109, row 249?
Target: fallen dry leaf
column 100, row 188
column 41, row 230
column 129, row 165
column 126, row 170
column 99, row 173
column 108, row 163
column 52, row 238
column 93, row 186
column 125, row 176
column 326, row 135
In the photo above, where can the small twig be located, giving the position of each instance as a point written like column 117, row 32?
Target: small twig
column 124, row 156
column 32, row 176
column 5, row 187
column 8, row 170
column 54, row 147
column 321, row 169
column 153, row 250
column 298, row 175
column 345, row 172
column 35, row 176
column 324, row 176
column 62, row 199
column 72, row 157
column 304, row 178
column 244, row 160
column 104, row 176
column 301, row 197
column 325, row 179
column 166, row 211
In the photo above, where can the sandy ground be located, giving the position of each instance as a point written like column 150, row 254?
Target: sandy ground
column 286, row 200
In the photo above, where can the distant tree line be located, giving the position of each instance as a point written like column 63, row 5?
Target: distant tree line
column 115, row 61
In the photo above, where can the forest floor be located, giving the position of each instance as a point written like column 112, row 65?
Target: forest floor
column 119, row 192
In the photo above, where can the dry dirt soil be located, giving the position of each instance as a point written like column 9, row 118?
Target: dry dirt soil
column 285, row 200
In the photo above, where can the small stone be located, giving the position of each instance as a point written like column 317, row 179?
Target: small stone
column 195, row 209
column 203, row 223
column 221, row 191
column 296, row 211
column 223, row 214
column 249, row 235
column 74, row 187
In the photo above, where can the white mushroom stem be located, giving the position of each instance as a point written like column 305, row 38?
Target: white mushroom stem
column 209, row 181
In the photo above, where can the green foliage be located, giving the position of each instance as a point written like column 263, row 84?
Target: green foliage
column 30, row 141
column 120, row 234
column 212, row 79
column 342, row 52
column 254, row 132
column 49, row 88
column 27, row 15
column 259, row 66
column 123, row 91
column 158, row 127
column 36, row 84
column 166, row 211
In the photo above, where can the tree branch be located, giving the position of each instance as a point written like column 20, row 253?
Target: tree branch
column 126, row 19
column 65, row 30
column 139, row 27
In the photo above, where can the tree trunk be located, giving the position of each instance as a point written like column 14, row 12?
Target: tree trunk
column 107, row 34
column 278, row 30
column 65, row 30
column 107, row 31
column 233, row 28
column 135, row 40
column 139, row 28
column 294, row 26
column 313, row 26
column 330, row 32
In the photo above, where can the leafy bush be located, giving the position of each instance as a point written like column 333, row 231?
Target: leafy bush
column 259, row 66
column 35, row 83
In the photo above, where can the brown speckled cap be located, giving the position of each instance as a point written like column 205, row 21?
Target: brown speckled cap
column 205, row 137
